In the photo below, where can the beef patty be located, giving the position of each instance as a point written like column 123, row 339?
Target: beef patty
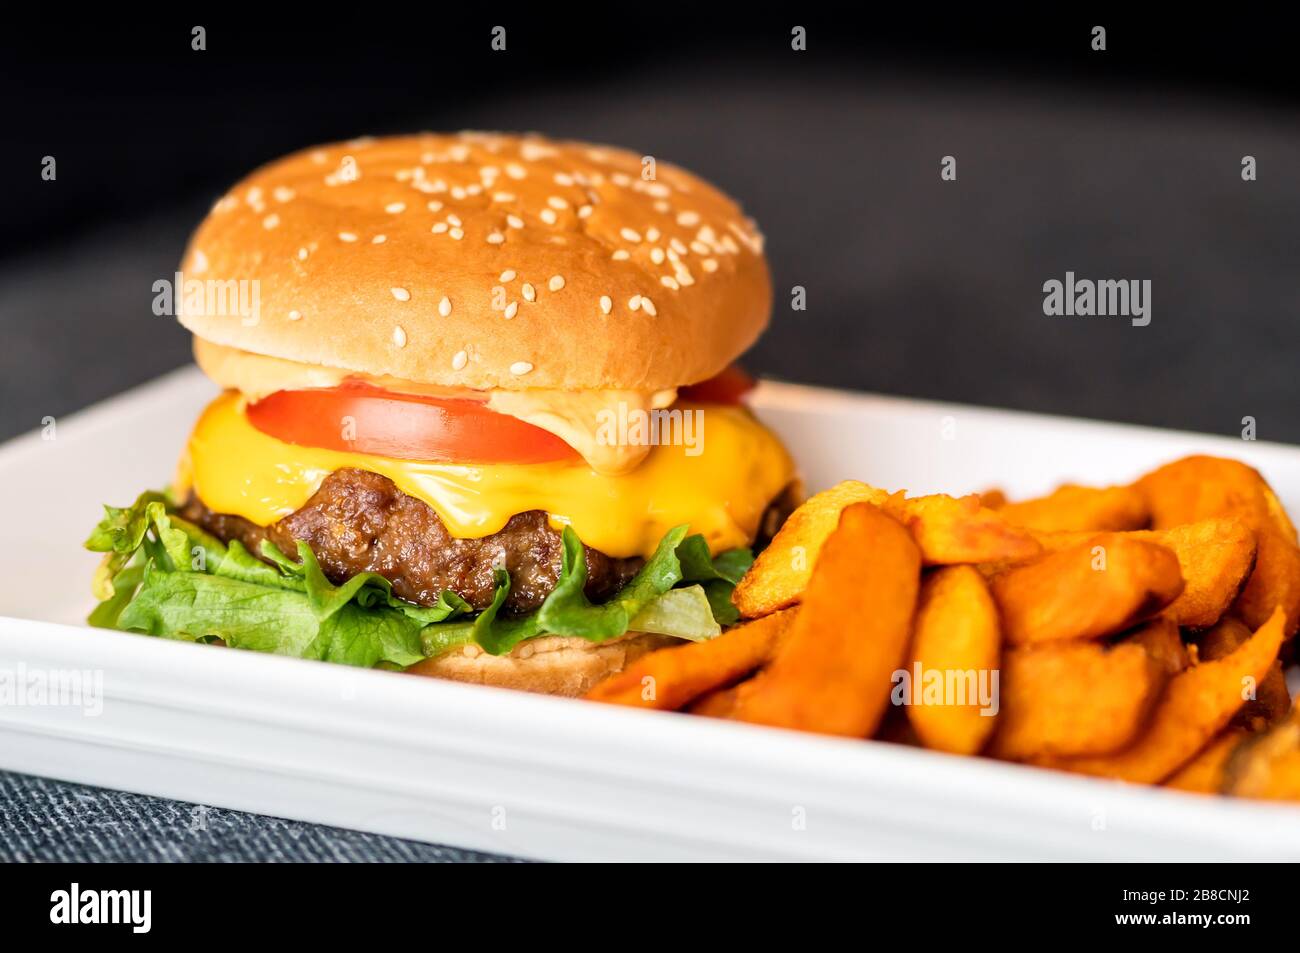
column 359, row 521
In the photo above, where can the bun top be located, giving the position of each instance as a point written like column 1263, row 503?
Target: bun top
column 483, row 260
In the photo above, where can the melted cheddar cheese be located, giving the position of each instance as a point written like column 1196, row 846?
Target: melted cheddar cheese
column 721, row 492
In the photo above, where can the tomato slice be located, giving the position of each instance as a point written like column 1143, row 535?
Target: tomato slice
column 726, row 387
column 362, row 418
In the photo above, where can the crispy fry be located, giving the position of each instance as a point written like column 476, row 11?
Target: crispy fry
column 948, row 530
column 1086, row 591
column 953, row 530
column 1267, row 765
column 1272, row 700
column 1074, row 698
column 671, row 678
column 1164, row 644
column 956, row 634
column 1204, row 774
column 1275, row 581
column 1073, row 508
column 1200, row 487
column 716, row 704
column 1195, row 707
column 781, row 572
column 833, row 672
column 994, row 499
column 1215, row 557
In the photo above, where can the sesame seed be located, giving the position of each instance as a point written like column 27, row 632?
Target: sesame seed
column 688, row 219
column 444, row 306
column 302, row 254
column 515, row 171
column 710, row 265
column 454, row 220
column 548, row 216
column 661, row 206
column 439, row 228
column 456, row 233
column 347, row 237
column 393, row 208
column 473, row 189
column 562, row 178
column 283, row 193
column 295, row 315
column 606, row 304
column 503, row 197
column 496, row 238
column 652, row 234
column 401, row 294
column 459, row 360
column 657, row 255
column 530, row 294
column 457, row 192
column 557, row 203
column 556, row 282
column 685, row 278
column 200, row 261
column 508, row 275
column 629, row 235
column 668, row 282
column 634, row 302
column 584, row 211
column 379, row 239
column 677, row 245
column 519, row 368
column 511, row 309
column 621, row 255
column 700, row 248
column 271, row 221
column 514, row 221
column 399, row 336
column 649, row 307
column 434, row 206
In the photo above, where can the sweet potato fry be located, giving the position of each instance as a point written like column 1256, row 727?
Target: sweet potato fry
column 672, row 677
column 1215, row 557
column 1275, row 581
column 1272, row 700
column 716, row 704
column 1086, row 591
column 1074, row 698
column 949, row 530
column 1073, row 508
column 833, row 673
column 1205, row 773
column 1195, row 707
column 1201, row 487
column 781, row 572
column 957, row 636
column 1267, row 765
column 1164, row 645
column 953, row 530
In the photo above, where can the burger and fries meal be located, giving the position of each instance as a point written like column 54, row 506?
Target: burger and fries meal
column 485, row 424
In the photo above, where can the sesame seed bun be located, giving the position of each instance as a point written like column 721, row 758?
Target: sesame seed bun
column 486, row 261
column 550, row 665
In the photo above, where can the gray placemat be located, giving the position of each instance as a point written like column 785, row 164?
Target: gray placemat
column 49, row 821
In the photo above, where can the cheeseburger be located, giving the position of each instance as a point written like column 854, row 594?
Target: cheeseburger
column 482, row 421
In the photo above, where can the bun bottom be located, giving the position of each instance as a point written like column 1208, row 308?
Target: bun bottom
column 550, row 665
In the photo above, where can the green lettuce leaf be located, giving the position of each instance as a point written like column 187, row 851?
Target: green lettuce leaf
column 167, row 577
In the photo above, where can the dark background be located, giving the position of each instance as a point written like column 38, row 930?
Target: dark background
column 1120, row 164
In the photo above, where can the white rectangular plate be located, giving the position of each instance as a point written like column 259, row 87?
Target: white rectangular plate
column 552, row 778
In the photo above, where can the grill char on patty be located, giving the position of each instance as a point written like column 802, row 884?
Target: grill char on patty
column 360, row 521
